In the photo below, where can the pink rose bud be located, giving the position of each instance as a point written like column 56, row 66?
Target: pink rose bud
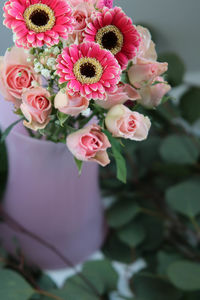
column 89, row 144
column 145, row 72
column 105, row 3
column 147, row 47
column 152, row 95
column 16, row 73
column 36, row 108
column 124, row 123
column 123, row 93
column 70, row 105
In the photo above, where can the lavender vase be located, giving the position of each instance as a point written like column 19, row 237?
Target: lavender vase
column 45, row 194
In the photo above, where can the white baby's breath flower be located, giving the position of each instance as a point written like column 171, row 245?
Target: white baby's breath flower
column 46, row 73
column 56, row 50
column 34, row 83
column 51, row 62
column 14, row 37
column 86, row 113
column 38, row 67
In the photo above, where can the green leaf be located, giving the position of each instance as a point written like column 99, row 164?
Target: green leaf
column 122, row 213
column 119, row 159
column 3, row 168
column 79, row 164
column 148, row 287
column 190, row 105
column 184, row 198
column 179, row 149
column 62, row 118
column 13, row 286
column 176, row 70
column 132, row 234
column 165, row 259
column 101, row 274
column 124, row 78
column 116, row 250
column 8, row 130
column 185, row 275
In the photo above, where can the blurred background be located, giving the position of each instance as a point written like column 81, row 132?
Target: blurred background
column 176, row 23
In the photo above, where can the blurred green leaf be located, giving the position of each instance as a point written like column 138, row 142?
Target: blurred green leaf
column 165, row 259
column 185, row 275
column 148, row 287
column 79, row 164
column 190, row 105
column 62, row 118
column 184, row 198
column 119, row 158
column 13, row 286
column 176, row 70
column 101, row 274
column 133, row 234
column 179, row 149
column 8, row 130
column 122, row 212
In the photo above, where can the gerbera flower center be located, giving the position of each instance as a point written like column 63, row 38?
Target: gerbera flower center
column 110, row 38
column 88, row 70
column 39, row 17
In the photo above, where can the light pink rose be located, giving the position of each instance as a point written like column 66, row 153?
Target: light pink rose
column 124, row 123
column 104, row 3
column 16, row 74
column 70, row 105
column 82, row 11
column 123, row 93
column 147, row 47
column 152, row 95
column 145, row 72
column 89, row 144
column 36, row 107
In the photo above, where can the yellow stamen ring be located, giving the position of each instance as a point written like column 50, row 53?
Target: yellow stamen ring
column 110, row 38
column 39, row 17
column 88, row 70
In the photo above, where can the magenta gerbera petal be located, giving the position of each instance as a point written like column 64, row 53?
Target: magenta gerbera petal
column 113, row 30
column 38, row 22
column 89, row 70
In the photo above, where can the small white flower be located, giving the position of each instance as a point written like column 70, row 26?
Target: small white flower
column 46, row 73
column 56, row 50
column 38, row 67
column 34, row 83
column 51, row 62
column 28, row 59
column 86, row 113
column 14, row 37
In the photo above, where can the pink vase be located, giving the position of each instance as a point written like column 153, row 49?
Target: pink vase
column 45, row 194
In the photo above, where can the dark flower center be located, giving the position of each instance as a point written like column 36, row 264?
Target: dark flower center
column 109, row 40
column 39, row 17
column 88, row 70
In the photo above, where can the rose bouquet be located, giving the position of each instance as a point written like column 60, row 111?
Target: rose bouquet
column 79, row 73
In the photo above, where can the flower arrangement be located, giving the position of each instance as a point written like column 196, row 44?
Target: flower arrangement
column 79, row 73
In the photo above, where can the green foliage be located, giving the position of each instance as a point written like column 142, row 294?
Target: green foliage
column 149, row 287
column 190, row 105
column 179, row 149
column 133, row 234
column 8, row 130
column 62, row 118
column 184, row 198
column 185, row 275
column 176, row 70
column 13, row 286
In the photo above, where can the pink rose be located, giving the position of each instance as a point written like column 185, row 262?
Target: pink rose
column 16, row 74
column 122, row 122
column 36, row 108
column 152, row 95
column 147, row 46
column 145, row 72
column 123, row 93
column 70, row 105
column 89, row 144
column 104, row 3
column 82, row 11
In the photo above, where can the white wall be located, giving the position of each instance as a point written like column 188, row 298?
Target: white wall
column 177, row 21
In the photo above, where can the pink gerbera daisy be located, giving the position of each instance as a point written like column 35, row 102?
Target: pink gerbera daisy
column 38, row 22
column 113, row 30
column 89, row 70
